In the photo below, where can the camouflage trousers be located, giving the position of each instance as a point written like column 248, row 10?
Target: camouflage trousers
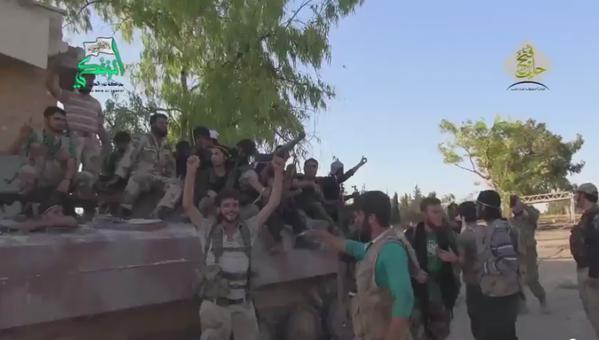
column 529, row 273
column 219, row 322
column 588, row 288
column 50, row 174
column 38, row 184
column 143, row 182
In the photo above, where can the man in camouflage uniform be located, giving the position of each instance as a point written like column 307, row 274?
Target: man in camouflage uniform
column 584, row 244
column 49, row 172
column 151, row 164
column 524, row 222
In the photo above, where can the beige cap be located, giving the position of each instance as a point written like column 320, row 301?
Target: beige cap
column 587, row 188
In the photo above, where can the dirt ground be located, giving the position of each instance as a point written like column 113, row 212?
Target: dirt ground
column 567, row 320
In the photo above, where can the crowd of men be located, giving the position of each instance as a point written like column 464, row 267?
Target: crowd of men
column 72, row 157
column 407, row 283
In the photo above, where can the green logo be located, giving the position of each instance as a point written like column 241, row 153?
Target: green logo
column 106, row 66
column 527, row 66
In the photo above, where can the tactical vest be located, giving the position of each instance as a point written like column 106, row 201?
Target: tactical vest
column 214, row 282
column 580, row 237
column 372, row 310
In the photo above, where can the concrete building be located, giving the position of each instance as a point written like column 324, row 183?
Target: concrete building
column 30, row 34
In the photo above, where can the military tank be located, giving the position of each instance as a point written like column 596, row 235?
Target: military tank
column 137, row 279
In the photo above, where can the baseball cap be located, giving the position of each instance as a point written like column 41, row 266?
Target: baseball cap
column 587, row 188
column 201, row 131
column 213, row 134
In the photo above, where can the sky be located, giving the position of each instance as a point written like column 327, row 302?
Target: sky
column 400, row 67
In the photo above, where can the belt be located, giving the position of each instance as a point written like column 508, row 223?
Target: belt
column 228, row 302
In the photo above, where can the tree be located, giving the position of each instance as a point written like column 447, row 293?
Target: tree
column 417, row 195
column 130, row 116
column 512, row 156
column 395, row 214
column 404, row 202
column 558, row 207
column 245, row 68
column 447, row 199
column 409, row 207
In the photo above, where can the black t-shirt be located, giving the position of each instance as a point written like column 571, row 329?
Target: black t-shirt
column 205, row 156
column 332, row 185
column 331, row 189
column 208, row 180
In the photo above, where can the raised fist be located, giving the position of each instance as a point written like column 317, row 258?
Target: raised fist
column 193, row 162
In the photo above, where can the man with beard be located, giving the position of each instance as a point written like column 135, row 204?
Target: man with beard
column 437, row 291
column 226, row 308
column 203, row 144
column 310, row 200
column 50, row 169
column 151, row 164
column 524, row 223
column 85, row 123
column 584, row 245
column 499, row 279
column 384, row 298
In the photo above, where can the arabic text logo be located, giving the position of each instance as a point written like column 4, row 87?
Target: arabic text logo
column 526, row 67
column 105, row 53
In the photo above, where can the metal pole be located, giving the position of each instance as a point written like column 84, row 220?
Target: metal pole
column 572, row 209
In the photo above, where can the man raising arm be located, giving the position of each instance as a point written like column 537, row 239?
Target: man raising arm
column 385, row 303
column 227, row 243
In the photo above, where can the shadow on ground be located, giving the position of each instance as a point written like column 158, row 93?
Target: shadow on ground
column 567, row 320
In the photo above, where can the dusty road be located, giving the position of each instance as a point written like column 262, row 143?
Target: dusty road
column 567, row 320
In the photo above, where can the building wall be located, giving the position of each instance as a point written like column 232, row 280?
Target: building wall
column 23, row 95
column 29, row 32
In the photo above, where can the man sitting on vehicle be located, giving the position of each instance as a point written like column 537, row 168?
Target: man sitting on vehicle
column 311, row 198
column 213, row 180
column 151, row 164
column 49, row 174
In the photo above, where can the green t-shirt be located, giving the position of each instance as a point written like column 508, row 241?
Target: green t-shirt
column 434, row 263
column 390, row 271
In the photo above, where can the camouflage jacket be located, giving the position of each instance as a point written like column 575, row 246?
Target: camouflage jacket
column 147, row 154
column 584, row 241
column 525, row 225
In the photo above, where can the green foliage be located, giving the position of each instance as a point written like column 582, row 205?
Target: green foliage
column 129, row 116
column 558, row 207
column 395, row 213
column 448, row 199
column 409, row 207
column 512, row 156
column 245, row 68
column 417, row 194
